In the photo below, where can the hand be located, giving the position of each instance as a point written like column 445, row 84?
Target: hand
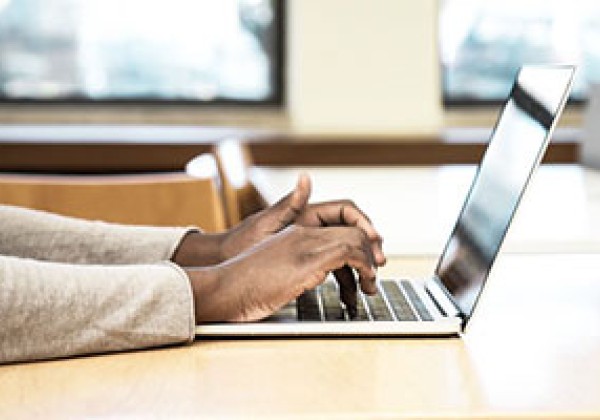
column 202, row 250
column 258, row 282
column 294, row 209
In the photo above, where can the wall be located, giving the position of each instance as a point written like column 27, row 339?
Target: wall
column 361, row 66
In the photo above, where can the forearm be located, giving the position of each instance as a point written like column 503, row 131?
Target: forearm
column 51, row 310
column 44, row 236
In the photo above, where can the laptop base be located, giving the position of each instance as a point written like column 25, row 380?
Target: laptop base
column 442, row 328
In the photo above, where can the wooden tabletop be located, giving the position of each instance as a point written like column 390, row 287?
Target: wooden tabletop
column 532, row 350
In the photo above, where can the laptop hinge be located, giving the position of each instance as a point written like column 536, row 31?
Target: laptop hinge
column 440, row 296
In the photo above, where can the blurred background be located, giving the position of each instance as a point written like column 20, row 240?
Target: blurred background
column 114, row 87
column 341, row 66
column 432, row 72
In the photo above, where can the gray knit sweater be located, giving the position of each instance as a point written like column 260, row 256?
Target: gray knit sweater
column 71, row 287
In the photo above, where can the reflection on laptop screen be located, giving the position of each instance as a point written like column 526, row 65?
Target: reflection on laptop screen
column 516, row 146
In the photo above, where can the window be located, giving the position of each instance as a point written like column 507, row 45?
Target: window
column 199, row 51
column 484, row 42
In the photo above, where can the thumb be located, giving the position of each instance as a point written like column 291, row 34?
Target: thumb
column 300, row 195
column 290, row 206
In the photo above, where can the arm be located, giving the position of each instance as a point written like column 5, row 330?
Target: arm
column 54, row 309
column 51, row 310
column 44, row 236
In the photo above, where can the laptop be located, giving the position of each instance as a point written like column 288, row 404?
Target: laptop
column 443, row 304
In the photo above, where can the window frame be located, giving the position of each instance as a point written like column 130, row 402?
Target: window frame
column 452, row 103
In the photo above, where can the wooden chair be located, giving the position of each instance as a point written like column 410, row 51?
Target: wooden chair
column 173, row 199
column 240, row 196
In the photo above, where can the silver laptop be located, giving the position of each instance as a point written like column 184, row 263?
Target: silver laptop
column 443, row 304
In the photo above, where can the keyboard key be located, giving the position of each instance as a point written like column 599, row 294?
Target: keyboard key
column 307, row 306
column 416, row 301
column 331, row 302
column 398, row 302
column 378, row 308
column 361, row 312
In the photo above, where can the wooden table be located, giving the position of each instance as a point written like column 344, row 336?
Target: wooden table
column 532, row 350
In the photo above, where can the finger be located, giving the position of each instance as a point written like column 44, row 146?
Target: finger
column 354, row 255
column 351, row 215
column 346, row 213
column 366, row 272
column 292, row 205
column 367, row 279
column 347, row 283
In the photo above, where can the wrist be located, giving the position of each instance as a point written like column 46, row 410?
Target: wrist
column 199, row 250
column 211, row 300
column 204, row 283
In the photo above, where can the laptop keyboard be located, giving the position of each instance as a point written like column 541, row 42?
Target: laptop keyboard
column 394, row 301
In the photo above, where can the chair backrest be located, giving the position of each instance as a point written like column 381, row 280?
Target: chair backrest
column 240, row 196
column 175, row 199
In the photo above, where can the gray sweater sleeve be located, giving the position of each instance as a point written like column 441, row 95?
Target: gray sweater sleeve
column 50, row 309
column 125, row 296
column 45, row 236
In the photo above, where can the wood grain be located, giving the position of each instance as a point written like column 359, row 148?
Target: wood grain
column 521, row 358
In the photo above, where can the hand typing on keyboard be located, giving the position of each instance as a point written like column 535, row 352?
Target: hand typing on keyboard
column 272, row 257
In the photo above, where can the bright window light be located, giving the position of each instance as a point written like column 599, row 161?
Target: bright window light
column 484, row 42
column 111, row 50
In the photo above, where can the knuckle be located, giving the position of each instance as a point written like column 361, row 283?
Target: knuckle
column 377, row 237
column 349, row 203
column 359, row 235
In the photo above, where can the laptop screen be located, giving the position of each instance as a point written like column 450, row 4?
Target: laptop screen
column 516, row 146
